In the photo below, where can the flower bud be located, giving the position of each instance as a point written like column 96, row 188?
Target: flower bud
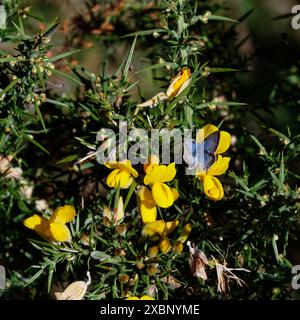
column 140, row 265
column 165, row 245
column 151, row 270
column 152, row 251
column 121, row 229
column 133, row 279
column 177, row 247
column 119, row 252
column 123, row 278
column 185, row 233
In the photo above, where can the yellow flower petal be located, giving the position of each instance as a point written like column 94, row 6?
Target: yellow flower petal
column 184, row 86
column 122, row 174
column 224, row 143
column 213, row 188
column 204, row 132
column 145, row 194
column 34, row 221
column 112, row 165
column 160, row 173
column 60, row 232
column 146, row 298
column 55, row 228
column 142, row 298
column 123, row 166
column 178, row 81
column 63, row 214
column 148, row 212
column 118, row 176
column 125, row 180
column 219, row 167
column 170, row 226
column 152, row 251
column 153, row 230
column 147, row 205
column 154, row 174
column 152, row 161
column 162, row 194
column 127, row 166
column 111, row 179
column 40, row 225
column 165, row 245
column 175, row 193
column 170, row 172
column 225, row 137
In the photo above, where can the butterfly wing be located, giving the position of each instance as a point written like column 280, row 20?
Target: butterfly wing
column 211, row 142
column 201, row 155
column 189, row 155
column 210, row 146
column 206, row 149
column 208, row 160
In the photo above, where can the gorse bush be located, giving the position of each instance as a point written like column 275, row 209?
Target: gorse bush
column 147, row 229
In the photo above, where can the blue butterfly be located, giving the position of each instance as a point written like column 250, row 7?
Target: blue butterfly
column 201, row 155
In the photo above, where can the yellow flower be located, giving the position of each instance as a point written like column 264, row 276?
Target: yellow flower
column 141, row 298
column 211, row 185
column 212, row 188
column 53, row 229
column 147, row 205
column 122, row 174
column 154, row 230
column 156, row 176
column 147, row 202
column 179, row 83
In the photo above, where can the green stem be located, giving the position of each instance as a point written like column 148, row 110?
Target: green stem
column 8, row 87
column 129, row 194
column 117, row 197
